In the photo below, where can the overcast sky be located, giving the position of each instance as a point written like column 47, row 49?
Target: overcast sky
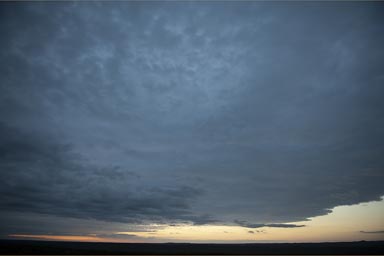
column 249, row 114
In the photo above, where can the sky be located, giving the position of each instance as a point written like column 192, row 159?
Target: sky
column 192, row 121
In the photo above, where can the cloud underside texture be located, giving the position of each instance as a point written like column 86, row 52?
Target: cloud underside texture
column 190, row 112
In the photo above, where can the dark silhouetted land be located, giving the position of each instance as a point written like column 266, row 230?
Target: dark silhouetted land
column 50, row 247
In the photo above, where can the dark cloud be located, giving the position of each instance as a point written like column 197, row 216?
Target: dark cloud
column 373, row 232
column 257, row 232
column 189, row 112
column 40, row 176
column 271, row 225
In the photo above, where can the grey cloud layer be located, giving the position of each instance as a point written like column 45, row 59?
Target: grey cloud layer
column 43, row 177
column 199, row 112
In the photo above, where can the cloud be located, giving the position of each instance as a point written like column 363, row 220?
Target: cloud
column 199, row 113
column 272, row 225
column 256, row 231
column 372, row 232
column 43, row 177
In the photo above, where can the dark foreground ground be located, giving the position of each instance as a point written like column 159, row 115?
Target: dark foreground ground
column 47, row 247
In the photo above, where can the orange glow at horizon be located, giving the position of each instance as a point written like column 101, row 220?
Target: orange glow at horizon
column 72, row 238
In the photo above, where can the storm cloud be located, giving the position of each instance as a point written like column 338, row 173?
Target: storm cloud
column 189, row 112
column 44, row 177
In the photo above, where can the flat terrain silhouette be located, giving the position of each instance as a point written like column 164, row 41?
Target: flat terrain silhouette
column 62, row 248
